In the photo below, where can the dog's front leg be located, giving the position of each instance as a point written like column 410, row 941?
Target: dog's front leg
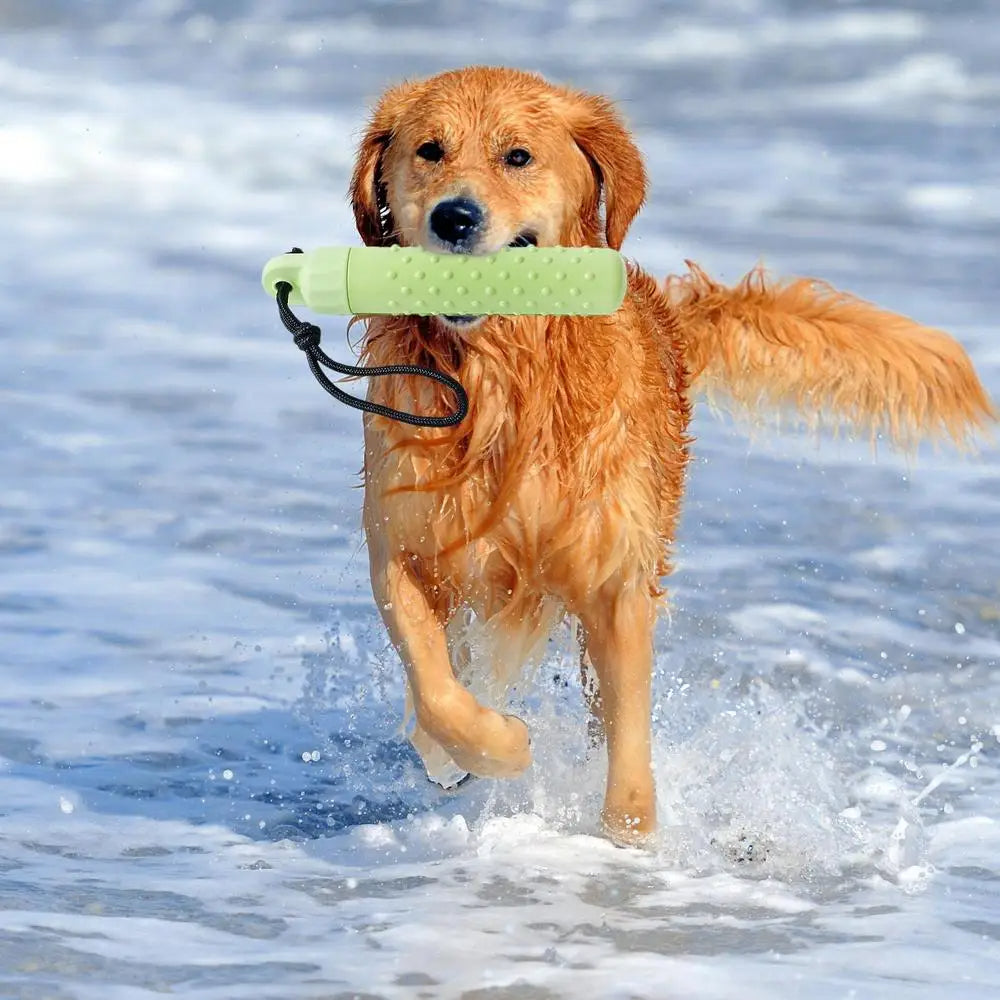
column 619, row 637
column 477, row 739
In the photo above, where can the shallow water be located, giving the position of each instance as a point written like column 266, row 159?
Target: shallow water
column 203, row 788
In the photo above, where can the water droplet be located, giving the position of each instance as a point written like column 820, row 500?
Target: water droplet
column 878, row 745
column 959, row 628
column 227, row 774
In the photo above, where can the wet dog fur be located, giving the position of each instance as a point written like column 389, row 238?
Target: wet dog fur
column 559, row 494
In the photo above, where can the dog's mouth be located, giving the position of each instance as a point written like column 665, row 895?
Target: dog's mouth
column 523, row 239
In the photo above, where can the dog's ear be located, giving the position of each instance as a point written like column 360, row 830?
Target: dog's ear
column 600, row 132
column 368, row 193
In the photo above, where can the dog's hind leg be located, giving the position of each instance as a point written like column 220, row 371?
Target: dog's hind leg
column 619, row 631
column 479, row 740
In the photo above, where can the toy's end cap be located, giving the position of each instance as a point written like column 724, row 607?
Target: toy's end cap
column 286, row 267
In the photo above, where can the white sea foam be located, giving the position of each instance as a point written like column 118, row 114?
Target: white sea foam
column 204, row 790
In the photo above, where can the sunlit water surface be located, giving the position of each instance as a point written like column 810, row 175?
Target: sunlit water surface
column 204, row 791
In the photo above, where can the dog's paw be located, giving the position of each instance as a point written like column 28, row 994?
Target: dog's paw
column 440, row 768
column 629, row 831
column 451, row 787
column 629, row 817
column 501, row 747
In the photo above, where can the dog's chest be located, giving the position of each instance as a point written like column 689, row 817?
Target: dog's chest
column 428, row 519
column 487, row 535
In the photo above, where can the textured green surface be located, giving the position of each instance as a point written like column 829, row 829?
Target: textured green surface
column 318, row 278
column 546, row 281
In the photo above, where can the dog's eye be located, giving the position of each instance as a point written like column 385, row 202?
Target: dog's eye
column 517, row 158
column 430, row 151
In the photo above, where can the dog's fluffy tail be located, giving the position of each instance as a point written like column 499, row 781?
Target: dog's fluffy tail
column 829, row 355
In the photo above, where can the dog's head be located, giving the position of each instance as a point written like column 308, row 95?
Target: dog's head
column 479, row 159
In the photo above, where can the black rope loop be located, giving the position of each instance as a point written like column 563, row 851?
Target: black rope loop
column 307, row 338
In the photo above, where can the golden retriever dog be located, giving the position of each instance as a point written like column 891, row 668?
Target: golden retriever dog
column 559, row 494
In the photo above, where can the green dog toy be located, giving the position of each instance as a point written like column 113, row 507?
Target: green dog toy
column 403, row 281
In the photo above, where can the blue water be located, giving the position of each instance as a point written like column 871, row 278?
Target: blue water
column 204, row 791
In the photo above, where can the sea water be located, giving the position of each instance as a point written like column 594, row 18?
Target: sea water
column 203, row 789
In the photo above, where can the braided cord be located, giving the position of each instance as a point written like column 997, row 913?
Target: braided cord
column 307, row 338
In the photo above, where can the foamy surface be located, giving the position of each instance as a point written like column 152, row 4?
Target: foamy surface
column 204, row 792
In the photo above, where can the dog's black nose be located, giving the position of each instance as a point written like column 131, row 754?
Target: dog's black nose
column 456, row 220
